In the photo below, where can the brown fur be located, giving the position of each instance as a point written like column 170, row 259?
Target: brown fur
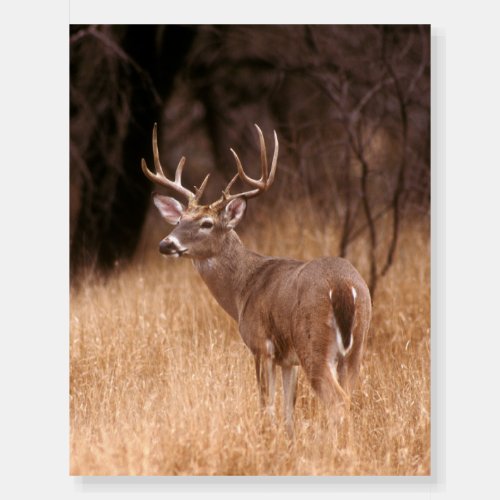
column 287, row 302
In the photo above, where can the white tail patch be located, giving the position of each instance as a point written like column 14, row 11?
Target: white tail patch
column 338, row 336
column 340, row 343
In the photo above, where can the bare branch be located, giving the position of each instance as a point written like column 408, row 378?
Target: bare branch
column 110, row 44
column 398, row 191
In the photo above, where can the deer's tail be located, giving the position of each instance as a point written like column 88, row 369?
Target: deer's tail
column 343, row 300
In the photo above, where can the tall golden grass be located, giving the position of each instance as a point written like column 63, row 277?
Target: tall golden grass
column 161, row 383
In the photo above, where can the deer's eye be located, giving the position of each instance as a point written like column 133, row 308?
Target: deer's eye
column 207, row 224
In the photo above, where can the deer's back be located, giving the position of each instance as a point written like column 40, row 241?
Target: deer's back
column 285, row 295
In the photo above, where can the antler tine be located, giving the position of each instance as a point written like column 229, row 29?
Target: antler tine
column 274, row 163
column 179, row 170
column 263, row 154
column 241, row 173
column 199, row 191
column 160, row 178
column 225, row 194
column 266, row 179
column 230, row 185
column 261, row 185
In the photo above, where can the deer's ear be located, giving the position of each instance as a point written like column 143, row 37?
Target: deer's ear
column 170, row 209
column 234, row 212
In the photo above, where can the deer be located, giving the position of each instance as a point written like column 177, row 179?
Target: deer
column 290, row 313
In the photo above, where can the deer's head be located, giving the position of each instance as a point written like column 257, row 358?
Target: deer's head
column 200, row 229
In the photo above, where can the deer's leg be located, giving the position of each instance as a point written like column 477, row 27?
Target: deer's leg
column 265, row 369
column 320, row 361
column 289, row 374
column 270, row 368
column 260, row 381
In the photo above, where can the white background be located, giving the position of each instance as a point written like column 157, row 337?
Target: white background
column 34, row 232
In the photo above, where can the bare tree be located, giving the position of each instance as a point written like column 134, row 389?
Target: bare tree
column 350, row 105
column 349, row 91
column 120, row 77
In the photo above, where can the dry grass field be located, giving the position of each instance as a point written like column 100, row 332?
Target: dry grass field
column 161, row 383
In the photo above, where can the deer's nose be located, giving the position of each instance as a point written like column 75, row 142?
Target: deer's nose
column 171, row 246
column 166, row 246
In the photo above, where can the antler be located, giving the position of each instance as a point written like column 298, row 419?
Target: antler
column 160, row 178
column 260, row 185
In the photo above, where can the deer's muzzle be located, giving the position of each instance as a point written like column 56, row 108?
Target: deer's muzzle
column 171, row 246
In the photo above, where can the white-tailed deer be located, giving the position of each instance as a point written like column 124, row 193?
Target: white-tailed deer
column 314, row 314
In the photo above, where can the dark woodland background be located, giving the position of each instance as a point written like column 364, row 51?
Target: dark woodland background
column 350, row 104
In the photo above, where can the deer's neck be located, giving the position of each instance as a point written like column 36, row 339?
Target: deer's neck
column 227, row 273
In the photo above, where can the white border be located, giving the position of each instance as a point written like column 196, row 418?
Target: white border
column 34, row 258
